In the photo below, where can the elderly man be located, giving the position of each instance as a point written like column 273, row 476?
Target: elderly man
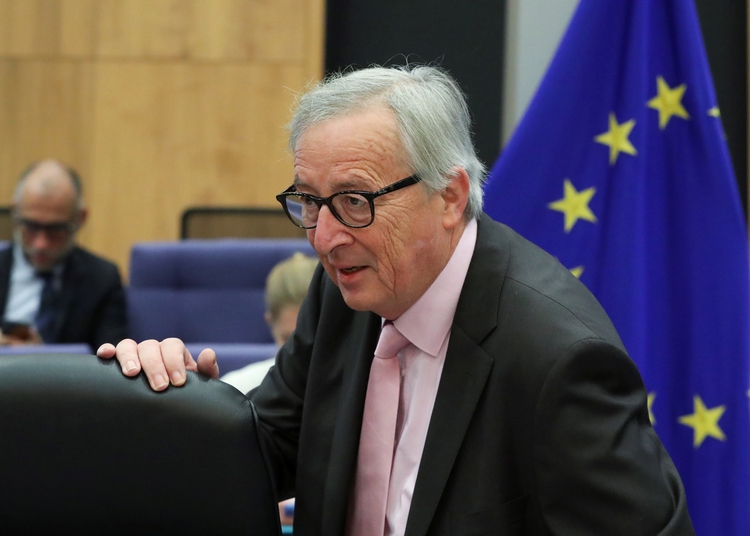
column 500, row 399
column 51, row 290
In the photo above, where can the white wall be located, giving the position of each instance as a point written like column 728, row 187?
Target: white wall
column 534, row 29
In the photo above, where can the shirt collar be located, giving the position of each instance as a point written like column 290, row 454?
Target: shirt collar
column 427, row 323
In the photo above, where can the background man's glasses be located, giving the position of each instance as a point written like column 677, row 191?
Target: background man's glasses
column 54, row 231
column 353, row 208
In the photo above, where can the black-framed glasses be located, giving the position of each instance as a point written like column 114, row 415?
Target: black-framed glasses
column 353, row 208
column 55, row 230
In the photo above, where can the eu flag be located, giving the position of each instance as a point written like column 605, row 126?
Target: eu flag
column 621, row 170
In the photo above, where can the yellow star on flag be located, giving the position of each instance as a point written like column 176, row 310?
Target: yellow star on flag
column 714, row 112
column 617, row 138
column 704, row 422
column 668, row 101
column 574, row 204
column 650, row 401
column 577, row 271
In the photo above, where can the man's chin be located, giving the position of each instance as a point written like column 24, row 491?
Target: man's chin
column 354, row 300
column 45, row 261
column 43, row 266
column 41, row 263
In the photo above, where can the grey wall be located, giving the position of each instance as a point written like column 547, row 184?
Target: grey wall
column 533, row 30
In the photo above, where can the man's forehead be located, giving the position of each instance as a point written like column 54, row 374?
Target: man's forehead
column 335, row 183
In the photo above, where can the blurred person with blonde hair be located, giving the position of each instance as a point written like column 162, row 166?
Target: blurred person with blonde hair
column 286, row 287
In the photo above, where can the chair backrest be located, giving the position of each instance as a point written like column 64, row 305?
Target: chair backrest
column 6, row 224
column 237, row 222
column 204, row 290
column 85, row 450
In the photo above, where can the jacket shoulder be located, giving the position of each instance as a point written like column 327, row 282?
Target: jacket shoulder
column 83, row 259
column 533, row 293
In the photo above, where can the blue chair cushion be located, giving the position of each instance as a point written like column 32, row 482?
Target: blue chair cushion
column 204, row 290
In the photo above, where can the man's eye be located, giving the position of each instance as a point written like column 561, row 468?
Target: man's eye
column 354, row 201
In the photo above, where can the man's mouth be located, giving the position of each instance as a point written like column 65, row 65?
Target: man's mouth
column 351, row 269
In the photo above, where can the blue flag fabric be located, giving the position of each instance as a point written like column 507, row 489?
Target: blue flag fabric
column 620, row 169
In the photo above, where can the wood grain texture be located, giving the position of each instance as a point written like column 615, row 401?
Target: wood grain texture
column 45, row 109
column 160, row 104
column 260, row 30
column 201, row 135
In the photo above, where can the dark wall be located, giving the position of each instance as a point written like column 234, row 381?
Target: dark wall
column 467, row 38
column 724, row 25
column 464, row 37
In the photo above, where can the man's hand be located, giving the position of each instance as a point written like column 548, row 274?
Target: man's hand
column 19, row 335
column 163, row 362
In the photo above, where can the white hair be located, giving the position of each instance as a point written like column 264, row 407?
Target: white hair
column 431, row 113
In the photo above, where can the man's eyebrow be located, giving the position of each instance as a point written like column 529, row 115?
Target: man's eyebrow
column 297, row 182
column 338, row 186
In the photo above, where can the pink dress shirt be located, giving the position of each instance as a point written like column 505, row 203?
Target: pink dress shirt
column 427, row 325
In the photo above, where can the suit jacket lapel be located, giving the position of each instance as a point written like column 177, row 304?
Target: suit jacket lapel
column 465, row 373
column 345, row 443
column 71, row 283
column 6, row 265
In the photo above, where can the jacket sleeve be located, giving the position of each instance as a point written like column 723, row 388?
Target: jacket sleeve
column 600, row 467
column 110, row 322
column 279, row 398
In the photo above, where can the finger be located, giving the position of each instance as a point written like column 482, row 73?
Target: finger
column 177, row 360
column 207, row 363
column 106, row 350
column 187, row 359
column 127, row 355
column 152, row 362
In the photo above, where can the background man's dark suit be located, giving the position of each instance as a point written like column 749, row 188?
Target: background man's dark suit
column 92, row 303
column 540, row 424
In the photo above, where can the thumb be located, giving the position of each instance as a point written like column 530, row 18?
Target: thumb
column 207, row 364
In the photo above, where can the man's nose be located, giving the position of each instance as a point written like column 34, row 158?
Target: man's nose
column 40, row 240
column 329, row 232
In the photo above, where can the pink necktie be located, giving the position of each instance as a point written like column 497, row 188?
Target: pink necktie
column 376, row 442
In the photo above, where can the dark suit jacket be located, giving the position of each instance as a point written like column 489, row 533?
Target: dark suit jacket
column 93, row 301
column 540, row 425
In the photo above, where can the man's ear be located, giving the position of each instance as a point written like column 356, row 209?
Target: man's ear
column 83, row 214
column 455, row 197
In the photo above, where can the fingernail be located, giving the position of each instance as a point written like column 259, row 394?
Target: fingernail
column 177, row 378
column 130, row 366
column 160, row 382
column 99, row 349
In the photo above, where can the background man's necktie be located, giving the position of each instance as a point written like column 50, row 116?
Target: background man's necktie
column 49, row 307
column 376, row 444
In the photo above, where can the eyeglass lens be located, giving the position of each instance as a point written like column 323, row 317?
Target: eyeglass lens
column 52, row 230
column 352, row 209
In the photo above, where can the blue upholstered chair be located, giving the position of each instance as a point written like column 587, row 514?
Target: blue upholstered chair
column 209, row 293
column 235, row 355
column 204, row 290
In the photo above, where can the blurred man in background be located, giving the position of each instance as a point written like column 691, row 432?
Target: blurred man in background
column 51, row 290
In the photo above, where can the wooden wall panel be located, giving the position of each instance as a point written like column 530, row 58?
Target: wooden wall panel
column 160, row 104
column 261, row 30
column 77, row 27
column 33, row 28
column 44, row 110
column 185, row 135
